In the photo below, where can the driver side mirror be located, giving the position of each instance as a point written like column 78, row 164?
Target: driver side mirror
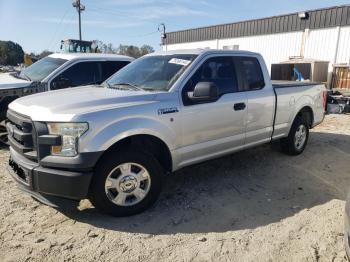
column 60, row 84
column 204, row 92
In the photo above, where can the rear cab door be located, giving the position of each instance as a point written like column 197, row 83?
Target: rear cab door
column 256, row 84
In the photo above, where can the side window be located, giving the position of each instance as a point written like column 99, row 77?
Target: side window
column 218, row 70
column 250, row 71
column 111, row 67
column 82, row 73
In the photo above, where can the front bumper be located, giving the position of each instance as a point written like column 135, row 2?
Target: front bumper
column 347, row 226
column 48, row 185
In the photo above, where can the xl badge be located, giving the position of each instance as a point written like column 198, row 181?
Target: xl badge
column 163, row 111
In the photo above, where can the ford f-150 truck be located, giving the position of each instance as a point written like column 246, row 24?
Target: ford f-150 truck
column 112, row 143
column 56, row 71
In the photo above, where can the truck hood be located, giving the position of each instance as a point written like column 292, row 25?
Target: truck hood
column 64, row 105
column 7, row 80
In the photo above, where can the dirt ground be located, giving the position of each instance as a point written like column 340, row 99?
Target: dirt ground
column 256, row 205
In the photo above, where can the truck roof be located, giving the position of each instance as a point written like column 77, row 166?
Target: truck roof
column 73, row 56
column 200, row 51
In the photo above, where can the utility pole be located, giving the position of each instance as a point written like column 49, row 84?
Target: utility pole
column 79, row 8
column 161, row 29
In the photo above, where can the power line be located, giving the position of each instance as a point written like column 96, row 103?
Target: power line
column 127, row 15
column 142, row 35
column 109, row 11
column 118, row 14
column 63, row 32
column 57, row 28
column 102, row 10
column 98, row 9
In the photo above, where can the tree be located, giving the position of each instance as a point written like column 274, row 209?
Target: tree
column 44, row 54
column 134, row 51
column 10, row 53
column 128, row 50
column 146, row 49
column 105, row 48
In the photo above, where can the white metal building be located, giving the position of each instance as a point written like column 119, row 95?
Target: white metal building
column 322, row 34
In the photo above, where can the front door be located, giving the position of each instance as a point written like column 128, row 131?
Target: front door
column 213, row 128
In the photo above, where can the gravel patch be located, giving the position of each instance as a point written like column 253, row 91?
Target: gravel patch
column 256, row 205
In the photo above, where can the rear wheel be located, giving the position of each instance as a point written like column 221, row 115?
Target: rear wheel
column 126, row 183
column 297, row 139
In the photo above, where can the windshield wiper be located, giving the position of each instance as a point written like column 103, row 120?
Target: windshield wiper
column 25, row 76
column 106, row 84
column 135, row 87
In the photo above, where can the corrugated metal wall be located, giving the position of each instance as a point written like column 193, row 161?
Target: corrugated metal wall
column 274, row 48
column 316, row 19
column 324, row 34
column 343, row 55
column 320, row 44
column 212, row 44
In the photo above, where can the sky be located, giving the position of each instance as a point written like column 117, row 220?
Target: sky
column 41, row 24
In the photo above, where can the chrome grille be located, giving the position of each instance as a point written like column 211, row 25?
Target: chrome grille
column 21, row 135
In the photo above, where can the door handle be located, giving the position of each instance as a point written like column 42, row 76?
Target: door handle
column 239, row 106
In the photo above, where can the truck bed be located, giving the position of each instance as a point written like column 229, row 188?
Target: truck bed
column 289, row 96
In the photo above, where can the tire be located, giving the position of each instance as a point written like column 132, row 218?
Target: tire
column 3, row 134
column 126, row 183
column 297, row 138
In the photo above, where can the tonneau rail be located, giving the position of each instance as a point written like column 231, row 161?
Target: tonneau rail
column 282, row 84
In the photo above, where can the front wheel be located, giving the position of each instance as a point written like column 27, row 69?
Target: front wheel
column 297, row 139
column 3, row 133
column 126, row 183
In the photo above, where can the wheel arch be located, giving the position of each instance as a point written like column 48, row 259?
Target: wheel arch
column 153, row 144
column 307, row 113
column 4, row 103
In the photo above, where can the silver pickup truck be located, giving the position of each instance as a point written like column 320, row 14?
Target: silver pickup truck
column 112, row 143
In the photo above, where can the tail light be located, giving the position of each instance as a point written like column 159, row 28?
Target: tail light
column 325, row 95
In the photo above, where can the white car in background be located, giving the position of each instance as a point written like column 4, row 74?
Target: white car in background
column 57, row 71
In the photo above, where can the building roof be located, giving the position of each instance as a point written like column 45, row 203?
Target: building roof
column 315, row 19
column 200, row 51
column 71, row 56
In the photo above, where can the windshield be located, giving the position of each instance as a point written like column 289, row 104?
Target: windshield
column 153, row 73
column 41, row 69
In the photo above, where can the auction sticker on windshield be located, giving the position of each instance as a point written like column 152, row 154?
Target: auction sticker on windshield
column 179, row 61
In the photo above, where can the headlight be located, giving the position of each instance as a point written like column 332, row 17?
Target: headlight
column 70, row 132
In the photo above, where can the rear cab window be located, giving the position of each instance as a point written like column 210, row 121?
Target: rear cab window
column 250, row 72
column 111, row 67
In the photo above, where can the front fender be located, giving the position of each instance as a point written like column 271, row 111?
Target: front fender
column 100, row 139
